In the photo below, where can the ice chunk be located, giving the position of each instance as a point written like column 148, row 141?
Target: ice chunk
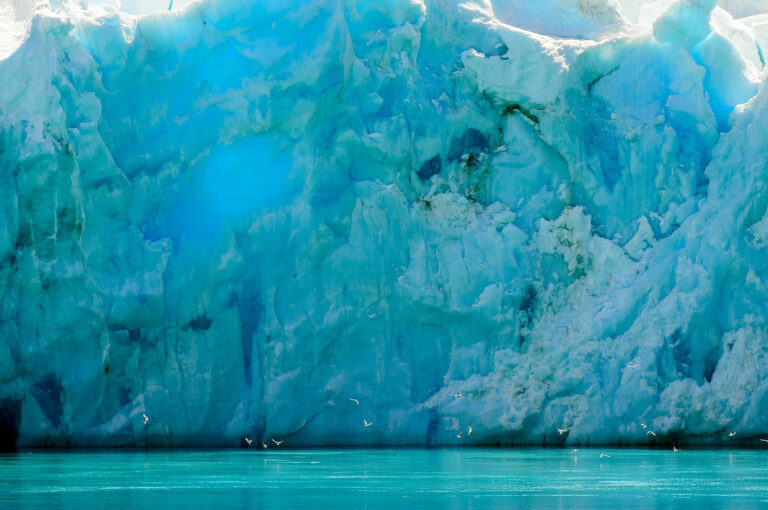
column 730, row 80
column 685, row 23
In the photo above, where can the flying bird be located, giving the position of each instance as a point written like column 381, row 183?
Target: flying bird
column 469, row 431
column 604, row 455
column 573, row 451
column 561, row 431
column 278, row 443
column 731, row 434
column 146, row 419
column 674, row 449
column 457, row 394
column 264, row 445
column 651, row 433
column 366, row 423
column 458, row 435
column 633, row 366
column 764, row 440
column 249, row 441
column 355, row 401
column 644, row 425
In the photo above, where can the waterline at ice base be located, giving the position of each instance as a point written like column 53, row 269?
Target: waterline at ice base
column 344, row 222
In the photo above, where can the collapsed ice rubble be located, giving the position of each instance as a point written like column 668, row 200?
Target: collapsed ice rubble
column 234, row 215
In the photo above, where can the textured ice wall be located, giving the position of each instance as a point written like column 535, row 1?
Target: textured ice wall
column 236, row 215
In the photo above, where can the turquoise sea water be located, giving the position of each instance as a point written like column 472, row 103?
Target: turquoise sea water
column 386, row 478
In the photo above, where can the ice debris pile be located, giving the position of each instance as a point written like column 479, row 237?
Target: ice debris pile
column 233, row 216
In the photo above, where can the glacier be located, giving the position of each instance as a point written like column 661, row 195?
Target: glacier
column 234, row 216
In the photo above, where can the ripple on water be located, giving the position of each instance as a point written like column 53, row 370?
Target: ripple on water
column 449, row 478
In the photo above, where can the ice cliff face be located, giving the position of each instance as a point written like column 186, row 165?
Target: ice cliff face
column 233, row 216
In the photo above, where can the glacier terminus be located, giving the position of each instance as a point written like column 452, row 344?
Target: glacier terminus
column 273, row 219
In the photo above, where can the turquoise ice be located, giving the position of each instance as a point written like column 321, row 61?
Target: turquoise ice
column 234, row 216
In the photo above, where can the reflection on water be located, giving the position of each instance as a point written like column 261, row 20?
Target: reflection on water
column 385, row 478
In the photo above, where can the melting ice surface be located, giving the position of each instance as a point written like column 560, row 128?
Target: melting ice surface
column 385, row 479
column 232, row 216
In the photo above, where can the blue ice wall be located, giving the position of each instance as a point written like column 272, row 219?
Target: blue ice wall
column 235, row 216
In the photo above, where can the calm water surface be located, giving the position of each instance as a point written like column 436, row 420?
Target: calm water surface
column 457, row 478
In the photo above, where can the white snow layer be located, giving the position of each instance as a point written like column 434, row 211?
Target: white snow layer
column 233, row 216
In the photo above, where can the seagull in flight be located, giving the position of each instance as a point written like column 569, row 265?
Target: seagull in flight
column 264, row 445
column 457, row 394
column 674, row 449
column 573, row 451
column 644, row 425
column 249, row 441
column 278, row 443
column 365, row 422
column 651, row 433
column 604, row 455
column 355, row 401
column 561, row 431
column 469, row 432
column 633, row 366
column 146, row 418
column 458, row 436
column 764, row 440
column 731, row 434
